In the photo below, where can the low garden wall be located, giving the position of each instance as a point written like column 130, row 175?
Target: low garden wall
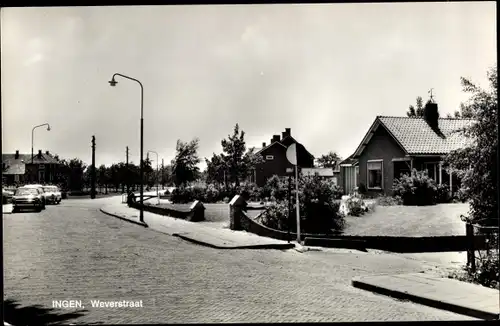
column 239, row 220
column 196, row 212
column 399, row 244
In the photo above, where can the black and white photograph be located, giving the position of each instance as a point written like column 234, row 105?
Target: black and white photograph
column 250, row 163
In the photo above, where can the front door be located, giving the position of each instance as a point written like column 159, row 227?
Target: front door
column 41, row 176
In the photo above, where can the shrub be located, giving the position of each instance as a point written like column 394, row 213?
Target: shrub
column 212, row 194
column 276, row 217
column 356, row 206
column 443, row 195
column 197, row 193
column 415, row 189
column 276, row 188
column 486, row 274
column 249, row 191
column 181, row 195
column 461, row 195
column 318, row 208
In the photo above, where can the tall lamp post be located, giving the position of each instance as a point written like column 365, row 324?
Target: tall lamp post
column 33, row 136
column 113, row 82
column 157, row 172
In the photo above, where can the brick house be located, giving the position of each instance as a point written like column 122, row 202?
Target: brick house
column 20, row 169
column 275, row 161
column 396, row 145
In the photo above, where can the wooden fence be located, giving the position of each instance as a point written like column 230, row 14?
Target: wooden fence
column 489, row 245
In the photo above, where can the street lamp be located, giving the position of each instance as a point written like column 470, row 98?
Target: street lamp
column 33, row 135
column 157, row 171
column 113, row 83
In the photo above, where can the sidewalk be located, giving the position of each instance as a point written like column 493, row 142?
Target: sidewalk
column 196, row 232
column 434, row 291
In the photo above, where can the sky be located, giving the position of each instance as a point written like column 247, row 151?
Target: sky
column 324, row 70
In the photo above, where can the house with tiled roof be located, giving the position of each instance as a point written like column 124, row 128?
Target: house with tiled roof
column 396, row 145
column 20, row 168
column 274, row 156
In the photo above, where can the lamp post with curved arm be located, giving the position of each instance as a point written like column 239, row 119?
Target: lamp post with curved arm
column 157, row 171
column 113, row 82
column 33, row 136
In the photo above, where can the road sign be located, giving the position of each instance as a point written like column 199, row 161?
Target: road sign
column 291, row 154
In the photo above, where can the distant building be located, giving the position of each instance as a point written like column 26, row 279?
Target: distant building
column 275, row 161
column 20, row 168
column 324, row 173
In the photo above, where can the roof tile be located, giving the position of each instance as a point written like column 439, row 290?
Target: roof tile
column 417, row 137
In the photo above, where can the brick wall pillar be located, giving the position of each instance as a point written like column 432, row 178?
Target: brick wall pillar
column 197, row 213
column 236, row 207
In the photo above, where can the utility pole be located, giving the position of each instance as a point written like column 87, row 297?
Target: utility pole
column 92, row 171
column 162, row 175
column 127, row 175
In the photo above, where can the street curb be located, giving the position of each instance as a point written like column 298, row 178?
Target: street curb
column 124, row 218
column 206, row 244
column 425, row 301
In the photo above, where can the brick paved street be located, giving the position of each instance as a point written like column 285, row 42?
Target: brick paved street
column 73, row 251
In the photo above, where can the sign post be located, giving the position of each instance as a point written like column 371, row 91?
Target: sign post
column 291, row 155
column 289, row 171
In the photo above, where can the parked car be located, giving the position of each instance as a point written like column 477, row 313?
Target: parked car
column 52, row 194
column 39, row 187
column 6, row 196
column 26, row 197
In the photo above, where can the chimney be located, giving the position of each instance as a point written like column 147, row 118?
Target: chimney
column 288, row 131
column 275, row 138
column 263, row 145
column 283, row 135
column 47, row 152
column 56, row 157
column 39, row 153
column 17, row 155
column 431, row 115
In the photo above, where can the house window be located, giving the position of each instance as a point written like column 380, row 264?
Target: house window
column 375, row 174
column 431, row 169
column 16, row 177
column 269, row 157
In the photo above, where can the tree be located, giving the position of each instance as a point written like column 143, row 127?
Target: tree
column 75, row 170
column 464, row 112
column 418, row 112
column 477, row 163
column 238, row 162
column 215, row 169
column 166, row 175
column 185, row 164
column 329, row 160
column 101, row 177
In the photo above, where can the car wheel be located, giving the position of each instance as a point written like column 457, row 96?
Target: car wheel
column 39, row 209
column 15, row 210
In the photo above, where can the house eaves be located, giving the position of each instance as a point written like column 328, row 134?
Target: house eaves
column 269, row 146
column 366, row 140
